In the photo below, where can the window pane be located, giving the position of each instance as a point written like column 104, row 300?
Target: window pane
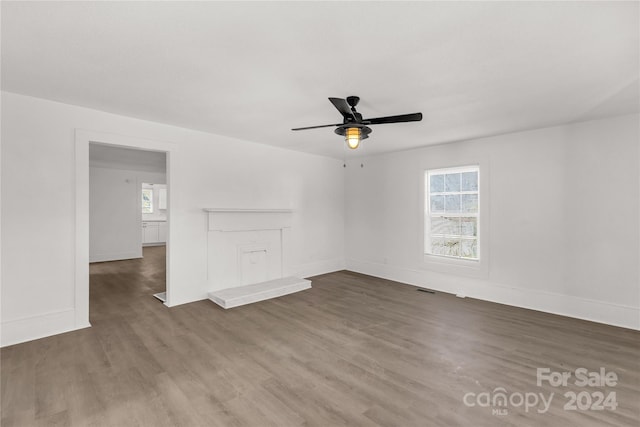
column 452, row 182
column 469, row 227
column 452, row 214
column 445, row 225
column 452, row 203
column 437, row 245
column 470, row 181
column 470, row 203
column 147, row 201
column 436, row 183
column 469, row 248
column 451, row 247
column 437, row 203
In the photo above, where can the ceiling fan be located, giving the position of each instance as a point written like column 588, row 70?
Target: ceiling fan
column 353, row 127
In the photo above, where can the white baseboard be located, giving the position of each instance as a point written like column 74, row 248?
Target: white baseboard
column 319, row 267
column 31, row 328
column 115, row 256
column 565, row 305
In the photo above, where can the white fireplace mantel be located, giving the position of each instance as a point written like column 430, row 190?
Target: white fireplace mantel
column 242, row 210
column 236, row 219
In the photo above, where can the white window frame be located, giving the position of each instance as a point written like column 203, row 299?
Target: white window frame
column 462, row 267
column 429, row 215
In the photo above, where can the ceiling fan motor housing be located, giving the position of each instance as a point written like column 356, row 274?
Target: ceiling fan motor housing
column 353, row 101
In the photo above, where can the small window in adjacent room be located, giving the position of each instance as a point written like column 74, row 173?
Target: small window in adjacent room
column 147, row 200
column 452, row 214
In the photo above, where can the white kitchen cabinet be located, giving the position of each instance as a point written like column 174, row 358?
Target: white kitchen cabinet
column 154, row 232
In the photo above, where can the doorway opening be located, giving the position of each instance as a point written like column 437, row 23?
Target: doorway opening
column 128, row 226
column 83, row 140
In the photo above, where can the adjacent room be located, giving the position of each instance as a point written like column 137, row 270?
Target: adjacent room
column 320, row 213
column 127, row 208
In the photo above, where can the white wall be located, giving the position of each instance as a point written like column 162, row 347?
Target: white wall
column 38, row 209
column 115, row 213
column 562, row 210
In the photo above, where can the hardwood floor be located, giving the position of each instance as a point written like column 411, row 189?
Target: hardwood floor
column 353, row 350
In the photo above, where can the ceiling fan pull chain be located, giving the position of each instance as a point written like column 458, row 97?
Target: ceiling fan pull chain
column 344, row 155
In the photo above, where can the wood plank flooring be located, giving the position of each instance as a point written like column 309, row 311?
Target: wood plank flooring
column 353, row 350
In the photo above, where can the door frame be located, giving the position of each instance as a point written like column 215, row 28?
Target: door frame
column 82, row 140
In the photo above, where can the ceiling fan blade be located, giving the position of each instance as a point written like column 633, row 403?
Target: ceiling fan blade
column 415, row 117
column 342, row 106
column 316, row 127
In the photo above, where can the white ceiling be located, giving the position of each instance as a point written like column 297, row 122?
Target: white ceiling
column 255, row 70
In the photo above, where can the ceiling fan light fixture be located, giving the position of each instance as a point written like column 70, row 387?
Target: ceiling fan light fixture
column 353, row 136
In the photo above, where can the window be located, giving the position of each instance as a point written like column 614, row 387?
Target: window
column 147, row 200
column 452, row 214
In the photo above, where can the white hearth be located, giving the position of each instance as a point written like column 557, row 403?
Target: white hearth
column 248, row 255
